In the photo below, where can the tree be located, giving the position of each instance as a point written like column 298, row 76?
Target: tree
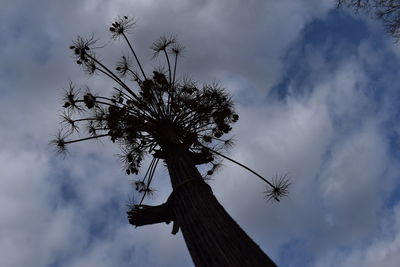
column 172, row 120
column 386, row 10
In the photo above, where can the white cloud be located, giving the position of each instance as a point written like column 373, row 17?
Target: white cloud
column 332, row 143
column 381, row 250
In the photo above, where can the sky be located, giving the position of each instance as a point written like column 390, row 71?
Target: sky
column 317, row 91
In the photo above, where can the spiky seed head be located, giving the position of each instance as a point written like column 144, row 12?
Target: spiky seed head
column 121, row 26
column 280, row 188
column 89, row 100
column 162, row 43
column 59, row 142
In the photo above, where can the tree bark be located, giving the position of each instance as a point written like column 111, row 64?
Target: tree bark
column 213, row 238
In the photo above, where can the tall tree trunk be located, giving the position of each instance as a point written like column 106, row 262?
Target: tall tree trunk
column 211, row 235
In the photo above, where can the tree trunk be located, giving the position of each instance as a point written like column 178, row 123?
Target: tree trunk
column 211, row 235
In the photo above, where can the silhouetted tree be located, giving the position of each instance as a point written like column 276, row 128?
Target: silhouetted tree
column 173, row 120
column 386, row 10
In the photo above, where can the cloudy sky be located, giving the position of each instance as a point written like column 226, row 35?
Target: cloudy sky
column 317, row 92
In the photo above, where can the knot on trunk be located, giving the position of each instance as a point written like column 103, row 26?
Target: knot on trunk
column 139, row 215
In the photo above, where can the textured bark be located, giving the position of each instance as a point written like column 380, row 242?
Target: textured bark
column 213, row 238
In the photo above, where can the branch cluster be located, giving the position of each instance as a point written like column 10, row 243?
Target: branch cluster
column 146, row 114
column 386, row 10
